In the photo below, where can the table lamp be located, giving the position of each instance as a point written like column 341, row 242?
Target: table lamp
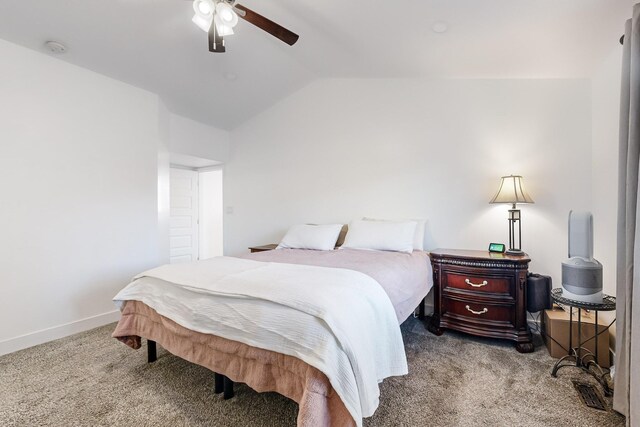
column 512, row 191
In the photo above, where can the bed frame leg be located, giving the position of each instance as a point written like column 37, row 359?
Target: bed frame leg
column 219, row 383
column 228, row 388
column 152, row 355
column 422, row 309
column 223, row 385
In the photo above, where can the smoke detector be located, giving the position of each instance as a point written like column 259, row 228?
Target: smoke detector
column 55, row 47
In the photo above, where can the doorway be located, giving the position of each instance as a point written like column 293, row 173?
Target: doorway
column 196, row 214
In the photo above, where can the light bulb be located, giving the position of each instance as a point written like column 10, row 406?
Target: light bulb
column 204, row 8
column 226, row 14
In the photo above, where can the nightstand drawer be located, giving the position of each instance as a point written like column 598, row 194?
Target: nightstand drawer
column 480, row 313
column 477, row 283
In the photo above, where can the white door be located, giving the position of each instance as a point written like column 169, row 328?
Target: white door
column 183, row 226
column 211, row 216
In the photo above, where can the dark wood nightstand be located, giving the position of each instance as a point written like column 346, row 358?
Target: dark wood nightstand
column 263, row 248
column 481, row 293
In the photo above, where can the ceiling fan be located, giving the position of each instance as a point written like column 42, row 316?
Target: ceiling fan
column 218, row 17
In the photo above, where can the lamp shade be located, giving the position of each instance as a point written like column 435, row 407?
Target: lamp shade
column 511, row 191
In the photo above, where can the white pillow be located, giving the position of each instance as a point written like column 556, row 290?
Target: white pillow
column 381, row 235
column 418, row 238
column 318, row 237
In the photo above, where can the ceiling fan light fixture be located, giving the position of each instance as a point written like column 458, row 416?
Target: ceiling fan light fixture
column 202, row 23
column 204, row 8
column 204, row 11
column 223, row 29
column 226, row 14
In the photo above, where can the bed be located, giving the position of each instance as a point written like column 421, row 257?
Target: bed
column 328, row 357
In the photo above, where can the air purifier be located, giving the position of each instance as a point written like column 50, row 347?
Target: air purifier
column 581, row 273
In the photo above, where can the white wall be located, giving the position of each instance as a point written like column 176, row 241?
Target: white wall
column 195, row 139
column 78, row 179
column 342, row 149
column 84, row 168
column 164, row 182
column 605, row 86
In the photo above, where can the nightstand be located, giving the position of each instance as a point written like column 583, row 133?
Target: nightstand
column 263, row 248
column 481, row 293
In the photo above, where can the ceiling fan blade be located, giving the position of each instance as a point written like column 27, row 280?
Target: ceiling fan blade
column 216, row 42
column 267, row 25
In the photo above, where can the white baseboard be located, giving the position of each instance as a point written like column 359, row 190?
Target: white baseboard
column 56, row 332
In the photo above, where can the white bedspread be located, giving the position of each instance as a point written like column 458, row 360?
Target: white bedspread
column 338, row 320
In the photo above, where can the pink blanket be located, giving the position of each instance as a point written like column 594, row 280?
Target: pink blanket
column 262, row 370
column 406, row 278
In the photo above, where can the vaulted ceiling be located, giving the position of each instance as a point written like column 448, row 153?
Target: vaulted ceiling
column 154, row 45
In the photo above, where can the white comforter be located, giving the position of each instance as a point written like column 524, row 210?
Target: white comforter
column 338, row 320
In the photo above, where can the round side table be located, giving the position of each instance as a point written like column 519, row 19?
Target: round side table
column 579, row 356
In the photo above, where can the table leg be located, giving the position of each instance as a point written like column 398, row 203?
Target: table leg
column 570, row 330
column 579, row 355
column 597, row 360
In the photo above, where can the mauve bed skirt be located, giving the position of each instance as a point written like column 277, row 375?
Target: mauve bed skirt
column 262, row 370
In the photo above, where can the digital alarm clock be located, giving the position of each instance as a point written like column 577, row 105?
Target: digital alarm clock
column 497, row 247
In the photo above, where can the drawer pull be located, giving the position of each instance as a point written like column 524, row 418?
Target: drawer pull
column 476, row 285
column 483, row 311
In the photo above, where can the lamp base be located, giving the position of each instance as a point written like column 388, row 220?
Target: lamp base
column 514, row 252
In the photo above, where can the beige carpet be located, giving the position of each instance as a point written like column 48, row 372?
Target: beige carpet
column 91, row 379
